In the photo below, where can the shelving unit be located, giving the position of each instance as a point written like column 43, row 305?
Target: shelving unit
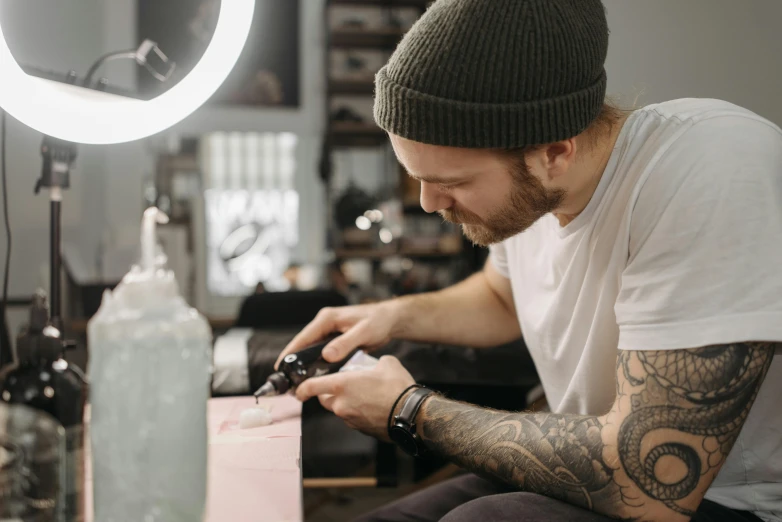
column 354, row 87
column 356, row 34
column 384, row 253
column 432, row 256
column 385, row 39
column 344, row 134
column 384, row 3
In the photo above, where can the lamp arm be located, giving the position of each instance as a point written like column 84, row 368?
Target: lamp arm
column 141, row 56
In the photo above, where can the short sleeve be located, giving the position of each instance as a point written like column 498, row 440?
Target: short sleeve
column 498, row 256
column 705, row 251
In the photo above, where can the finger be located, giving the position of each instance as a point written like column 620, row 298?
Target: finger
column 340, row 347
column 317, row 329
column 328, row 384
column 327, row 401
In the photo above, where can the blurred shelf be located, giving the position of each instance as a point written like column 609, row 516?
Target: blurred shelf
column 364, row 253
column 380, row 253
column 377, row 38
column 221, row 323
column 425, row 253
column 76, row 326
column 59, row 76
column 356, row 134
column 383, row 3
column 18, row 302
column 351, row 127
column 366, row 87
column 178, row 162
column 178, row 221
column 79, row 326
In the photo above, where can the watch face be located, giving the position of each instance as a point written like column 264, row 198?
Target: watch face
column 404, row 439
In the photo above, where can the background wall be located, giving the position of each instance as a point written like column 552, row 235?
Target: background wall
column 659, row 50
column 59, row 36
column 105, row 201
column 63, row 48
column 666, row 49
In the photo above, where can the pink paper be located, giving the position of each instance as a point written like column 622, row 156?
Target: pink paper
column 224, row 414
column 261, row 454
column 286, row 416
column 241, row 495
column 253, row 474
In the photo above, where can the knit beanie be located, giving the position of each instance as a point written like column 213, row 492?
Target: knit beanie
column 496, row 73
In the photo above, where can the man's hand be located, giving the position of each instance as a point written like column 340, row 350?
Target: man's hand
column 476, row 312
column 365, row 326
column 364, row 398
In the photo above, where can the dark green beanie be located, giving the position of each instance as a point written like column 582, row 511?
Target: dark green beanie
column 496, row 73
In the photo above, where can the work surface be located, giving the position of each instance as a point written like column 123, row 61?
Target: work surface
column 254, row 474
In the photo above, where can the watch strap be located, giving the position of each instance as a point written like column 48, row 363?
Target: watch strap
column 411, row 406
column 405, row 422
column 390, row 423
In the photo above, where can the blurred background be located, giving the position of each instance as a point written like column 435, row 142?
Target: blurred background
column 283, row 195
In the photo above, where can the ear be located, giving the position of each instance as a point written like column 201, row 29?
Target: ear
column 556, row 158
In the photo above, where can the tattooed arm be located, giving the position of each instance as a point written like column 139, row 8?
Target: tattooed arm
column 651, row 457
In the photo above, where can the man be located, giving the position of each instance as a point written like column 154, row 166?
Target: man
column 637, row 253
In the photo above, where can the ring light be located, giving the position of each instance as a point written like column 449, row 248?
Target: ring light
column 81, row 115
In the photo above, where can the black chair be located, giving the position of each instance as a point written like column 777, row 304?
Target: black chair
column 285, row 310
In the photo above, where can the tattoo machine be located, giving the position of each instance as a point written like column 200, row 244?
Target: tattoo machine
column 297, row 367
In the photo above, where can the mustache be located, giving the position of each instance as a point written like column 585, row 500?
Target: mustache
column 459, row 217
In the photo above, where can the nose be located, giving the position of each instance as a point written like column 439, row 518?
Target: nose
column 433, row 199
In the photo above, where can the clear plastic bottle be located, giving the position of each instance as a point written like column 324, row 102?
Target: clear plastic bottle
column 32, row 465
column 149, row 369
column 43, row 383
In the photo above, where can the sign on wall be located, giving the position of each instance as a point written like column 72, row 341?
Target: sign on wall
column 251, row 210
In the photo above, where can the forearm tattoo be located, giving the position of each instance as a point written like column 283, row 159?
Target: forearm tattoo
column 676, row 417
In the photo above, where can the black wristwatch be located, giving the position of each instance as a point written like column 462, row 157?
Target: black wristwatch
column 403, row 429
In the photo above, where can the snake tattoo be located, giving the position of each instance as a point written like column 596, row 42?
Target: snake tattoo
column 718, row 383
column 675, row 419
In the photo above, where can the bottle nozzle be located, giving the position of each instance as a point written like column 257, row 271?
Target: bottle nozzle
column 152, row 216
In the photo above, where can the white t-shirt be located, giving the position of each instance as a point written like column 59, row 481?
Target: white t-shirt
column 680, row 247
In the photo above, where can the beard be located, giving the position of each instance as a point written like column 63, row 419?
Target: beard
column 527, row 202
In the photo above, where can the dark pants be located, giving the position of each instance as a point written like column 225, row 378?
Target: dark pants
column 471, row 499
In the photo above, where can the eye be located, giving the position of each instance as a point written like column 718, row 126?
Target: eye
column 451, row 186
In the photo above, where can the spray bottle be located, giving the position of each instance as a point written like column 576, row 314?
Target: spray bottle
column 150, row 370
